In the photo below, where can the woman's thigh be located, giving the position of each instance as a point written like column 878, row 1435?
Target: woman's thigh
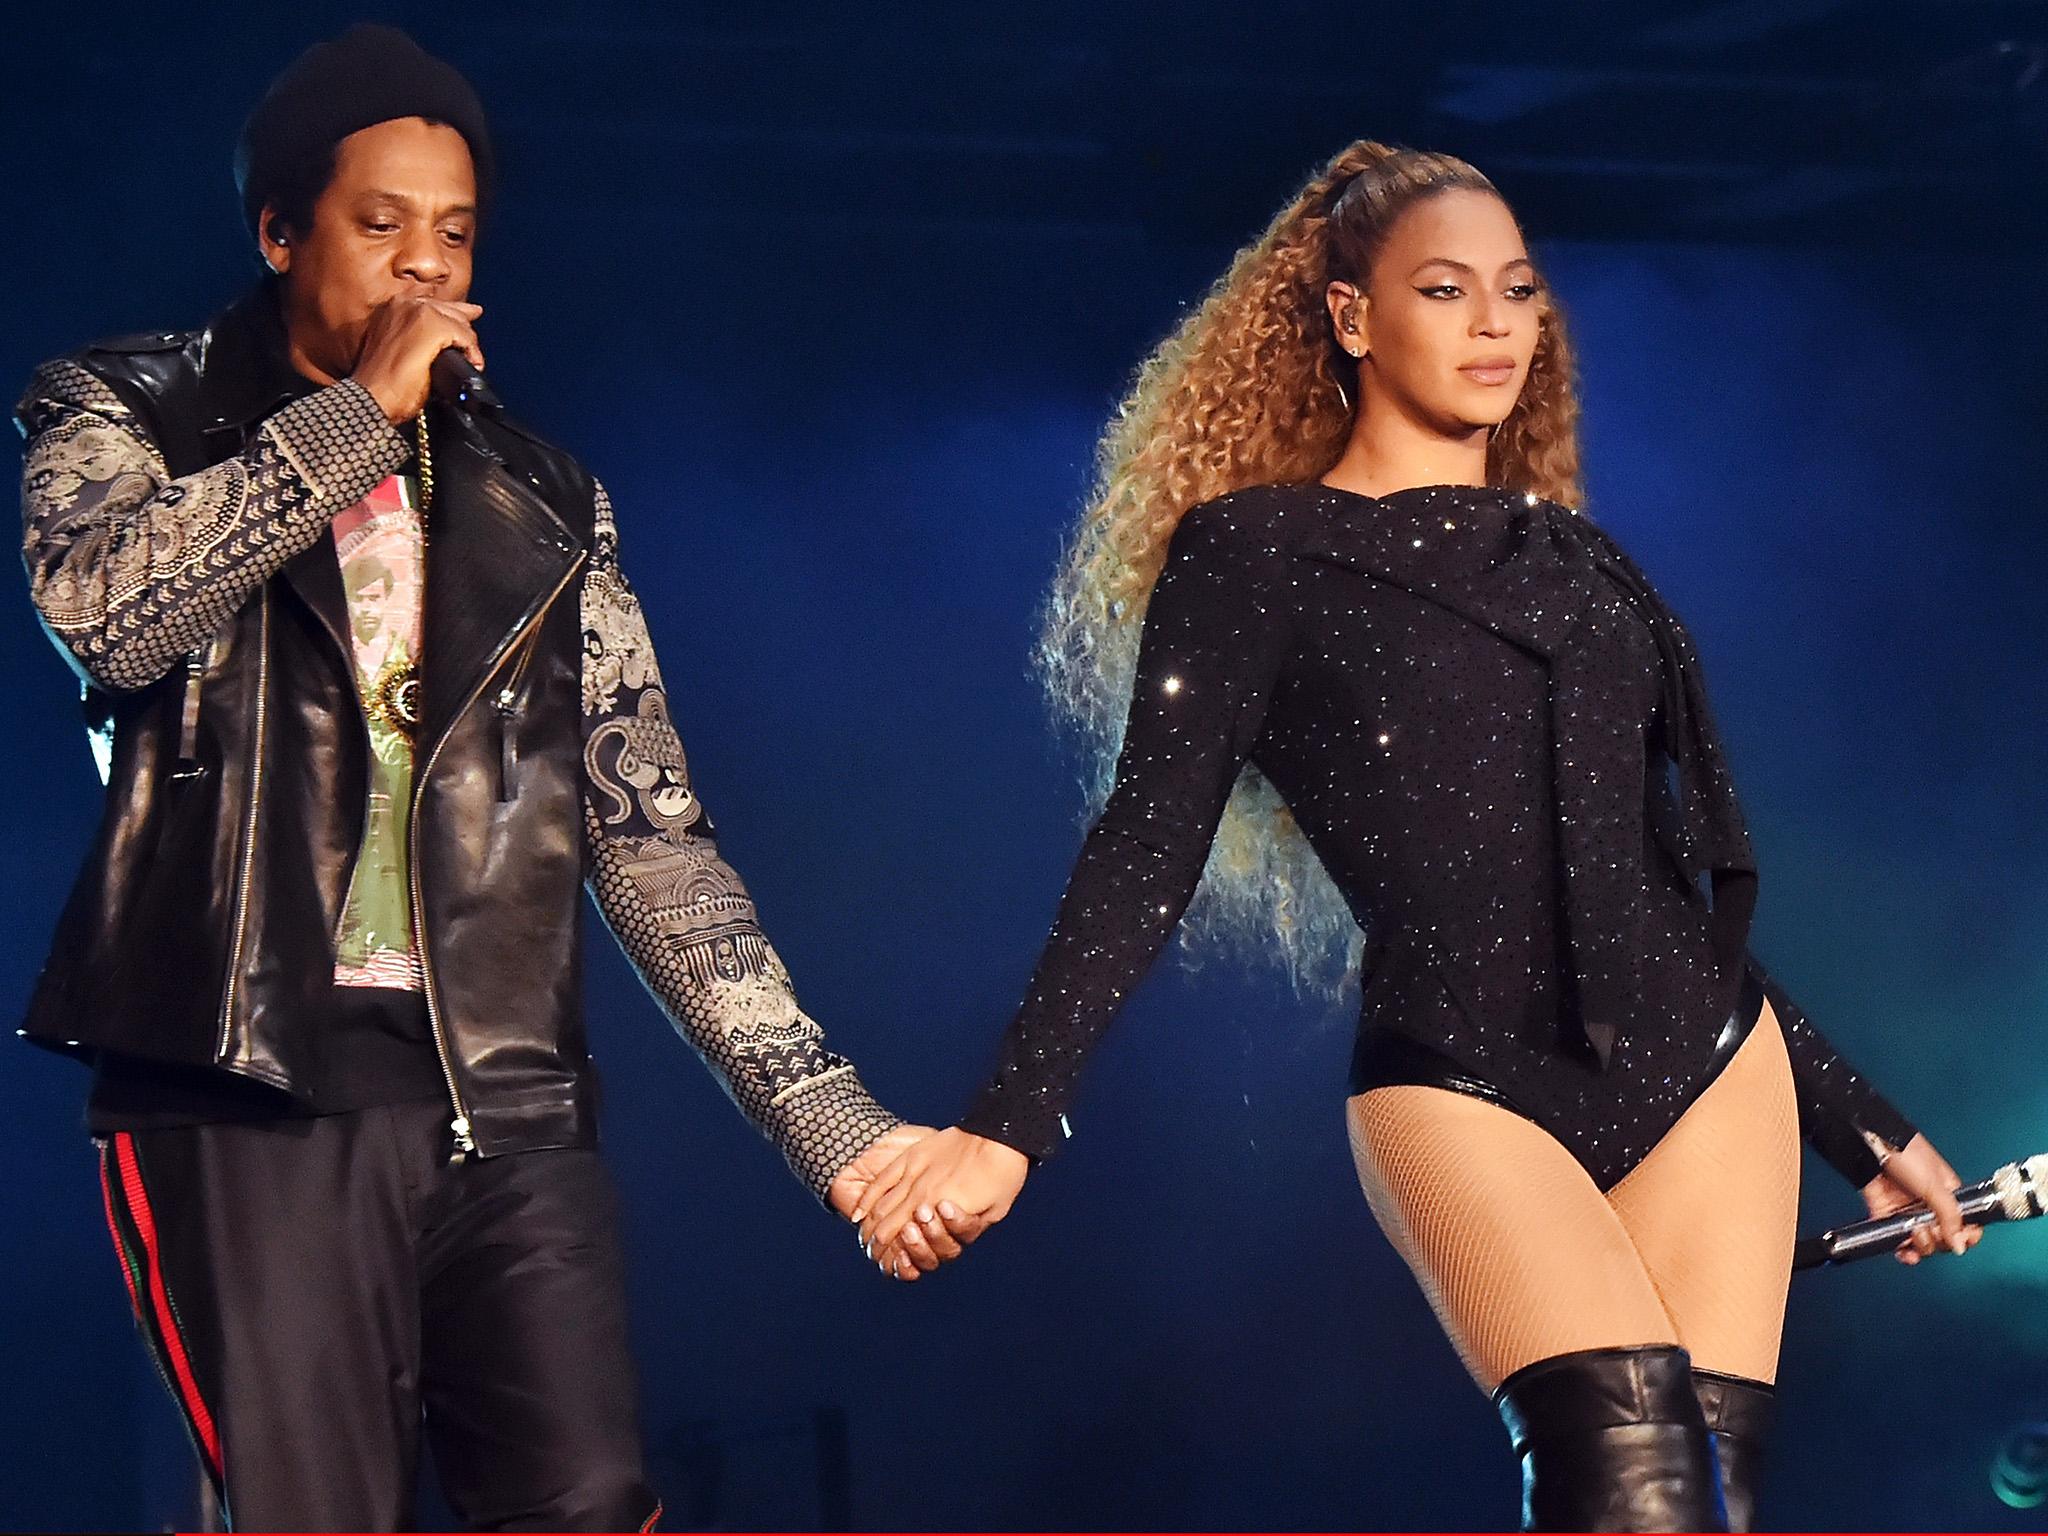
column 1713, row 1210
column 1513, row 1243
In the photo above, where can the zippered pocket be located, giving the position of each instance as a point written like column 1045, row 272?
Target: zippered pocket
column 198, row 662
column 506, row 702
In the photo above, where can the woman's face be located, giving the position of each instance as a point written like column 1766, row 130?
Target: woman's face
column 1449, row 320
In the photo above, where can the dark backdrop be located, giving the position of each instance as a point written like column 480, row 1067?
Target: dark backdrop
column 835, row 303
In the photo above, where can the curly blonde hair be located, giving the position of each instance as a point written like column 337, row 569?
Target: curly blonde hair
column 1252, row 389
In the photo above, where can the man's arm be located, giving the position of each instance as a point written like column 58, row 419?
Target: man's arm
column 680, row 912
column 131, row 568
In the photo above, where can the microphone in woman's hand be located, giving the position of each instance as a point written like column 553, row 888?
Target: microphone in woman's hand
column 2014, row 1193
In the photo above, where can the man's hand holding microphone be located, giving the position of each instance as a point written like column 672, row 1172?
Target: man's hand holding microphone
column 400, row 345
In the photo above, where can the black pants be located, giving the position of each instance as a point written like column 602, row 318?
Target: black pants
column 314, row 1289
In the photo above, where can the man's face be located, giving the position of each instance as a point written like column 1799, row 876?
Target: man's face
column 398, row 219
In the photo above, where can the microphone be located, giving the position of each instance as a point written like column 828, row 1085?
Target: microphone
column 2014, row 1193
column 458, row 382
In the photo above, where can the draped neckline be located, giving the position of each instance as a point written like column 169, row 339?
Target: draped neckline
column 1534, row 572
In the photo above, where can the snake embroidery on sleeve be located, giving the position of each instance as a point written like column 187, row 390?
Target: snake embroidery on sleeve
column 682, row 914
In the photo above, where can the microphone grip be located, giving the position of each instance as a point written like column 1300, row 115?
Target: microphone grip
column 1980, row 1203
column 457, row 381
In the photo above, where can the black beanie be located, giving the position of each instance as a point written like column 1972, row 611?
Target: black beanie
column 369, row 74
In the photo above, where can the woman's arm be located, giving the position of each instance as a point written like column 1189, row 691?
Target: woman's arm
column 1215, row 634
column 1845, row 1119
column 1863, row 1136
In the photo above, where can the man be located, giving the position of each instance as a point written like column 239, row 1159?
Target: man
column 374, row 699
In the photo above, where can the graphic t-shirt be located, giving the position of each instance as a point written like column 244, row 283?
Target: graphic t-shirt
column 383, row 566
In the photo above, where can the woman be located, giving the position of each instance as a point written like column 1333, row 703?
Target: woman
column 1378, row 638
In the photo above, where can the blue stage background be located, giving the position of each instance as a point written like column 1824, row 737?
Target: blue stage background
column 844, row 448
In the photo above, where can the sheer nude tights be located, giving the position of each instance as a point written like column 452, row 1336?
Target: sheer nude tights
column 1523, row 1257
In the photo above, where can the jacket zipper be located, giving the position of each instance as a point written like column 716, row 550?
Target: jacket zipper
column 188, row 713
column 227, row 1007
column 198, row 661
column 465, row 1140
column 507, row 706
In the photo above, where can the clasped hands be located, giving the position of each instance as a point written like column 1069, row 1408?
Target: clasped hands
column 921, row 1196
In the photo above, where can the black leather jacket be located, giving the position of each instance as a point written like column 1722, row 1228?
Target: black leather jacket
column 178, row 490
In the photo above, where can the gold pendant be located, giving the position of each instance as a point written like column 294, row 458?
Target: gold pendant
column 395, row 698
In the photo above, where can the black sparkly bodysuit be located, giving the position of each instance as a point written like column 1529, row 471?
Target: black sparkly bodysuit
column 1494, row 734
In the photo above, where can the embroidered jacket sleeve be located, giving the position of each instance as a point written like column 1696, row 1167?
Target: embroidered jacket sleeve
column 1215, row 635
column 1846, row 1120
column 680, row 911
column 130, row 567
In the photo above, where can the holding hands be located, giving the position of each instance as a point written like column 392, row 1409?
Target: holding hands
column 941, row 1193
column 918, row 1239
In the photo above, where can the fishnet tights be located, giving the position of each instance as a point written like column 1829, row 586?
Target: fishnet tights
column 1523, row 1257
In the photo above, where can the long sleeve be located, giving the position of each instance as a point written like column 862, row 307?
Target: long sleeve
column 131, row 568
column 1215, row 635
column 681, row 913
column 1843, row 1117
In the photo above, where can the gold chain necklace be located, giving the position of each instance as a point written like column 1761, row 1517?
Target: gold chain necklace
column 425, row 448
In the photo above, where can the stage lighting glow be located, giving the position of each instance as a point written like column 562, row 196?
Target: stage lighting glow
column 2019, row 1472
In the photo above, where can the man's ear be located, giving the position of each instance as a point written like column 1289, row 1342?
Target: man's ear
column 273, row 240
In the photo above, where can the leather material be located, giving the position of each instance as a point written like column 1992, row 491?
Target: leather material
column 1749, row 1007
column 1612, row 1440
column 200, row 929
column 1384, row 1058
column 1738, row 1412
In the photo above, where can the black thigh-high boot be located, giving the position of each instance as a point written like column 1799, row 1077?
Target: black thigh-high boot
column 1738, row 1411
column 1612, row 1440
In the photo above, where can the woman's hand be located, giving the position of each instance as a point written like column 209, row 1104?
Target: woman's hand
column 1916, row 1174
column 955, row 1182
column 920, row 1248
